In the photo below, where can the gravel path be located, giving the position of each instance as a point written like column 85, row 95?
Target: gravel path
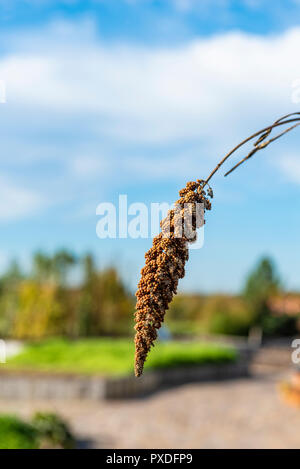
column 245, row 413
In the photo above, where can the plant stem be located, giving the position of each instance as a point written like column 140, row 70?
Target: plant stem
column 260, row 144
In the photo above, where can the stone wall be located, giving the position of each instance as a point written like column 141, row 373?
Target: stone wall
column 23, row 385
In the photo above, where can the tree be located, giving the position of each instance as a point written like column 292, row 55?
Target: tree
column 40, row 312
column 53, row 268
column 117, row 303
column 9, row 286
column 262, row 283
column 42, row 267
column 105, row 306
column 89, row 306
column 62, row 261
column 12, row 277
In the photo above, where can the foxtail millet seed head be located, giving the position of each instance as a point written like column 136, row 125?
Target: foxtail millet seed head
column 165, row 265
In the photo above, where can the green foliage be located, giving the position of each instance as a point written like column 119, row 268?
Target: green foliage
column 261, row 284
column 183, row 354
column 52, row 431
column 12, row 277
column 9, row 287
column 279, row 325
column 46, row 430
column 105, row 307
column 39, row 312
column 214, row 314
column 16, row 434
column 62, row 261
column 44, row 304
column 54, row 268
column 111, row 356
column 183, row 327
column 224, row 314
column 227, row 324
column 233, row 315
column 42, row 267
column 117, row 304
column 187, row 307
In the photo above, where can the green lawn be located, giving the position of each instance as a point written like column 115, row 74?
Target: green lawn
column 107, row 356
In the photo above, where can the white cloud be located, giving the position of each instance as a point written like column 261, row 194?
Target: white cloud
column 154, row 94
column 290, row 166
column 17, row 202
column 72, row 97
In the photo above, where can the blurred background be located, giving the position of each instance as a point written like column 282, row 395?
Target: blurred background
column 138, row 97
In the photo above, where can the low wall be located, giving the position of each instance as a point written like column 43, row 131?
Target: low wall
column 24, row 385
column 159, row 379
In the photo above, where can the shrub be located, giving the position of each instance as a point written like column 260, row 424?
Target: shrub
column 52, row 431
column 46, row 430
column 279, row 325
column 224, row 314
column 16, row 434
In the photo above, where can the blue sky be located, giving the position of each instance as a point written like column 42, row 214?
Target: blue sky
column 137, row 97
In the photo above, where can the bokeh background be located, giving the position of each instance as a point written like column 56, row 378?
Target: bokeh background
column 138, row 97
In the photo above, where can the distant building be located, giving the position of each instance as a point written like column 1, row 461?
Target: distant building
column 288, row 304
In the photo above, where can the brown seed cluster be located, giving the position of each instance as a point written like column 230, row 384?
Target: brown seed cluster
column 165, row 265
